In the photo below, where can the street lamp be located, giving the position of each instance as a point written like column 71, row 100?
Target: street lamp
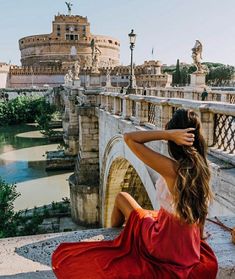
column 117, row 77
column 132, row 37
column 85, row 78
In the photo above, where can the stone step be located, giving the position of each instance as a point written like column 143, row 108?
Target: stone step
column 29, row 256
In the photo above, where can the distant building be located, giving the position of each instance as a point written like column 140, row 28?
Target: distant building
column 46, row 58
column 4, row 72
column 149, row 75
column 69, row 41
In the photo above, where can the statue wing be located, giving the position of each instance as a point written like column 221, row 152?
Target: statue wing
column 200, row 49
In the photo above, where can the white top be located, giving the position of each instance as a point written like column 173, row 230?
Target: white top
column 164, row 197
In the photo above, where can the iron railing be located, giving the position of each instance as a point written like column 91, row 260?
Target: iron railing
column 133, row 108
column 224, row 133
column 151, row 113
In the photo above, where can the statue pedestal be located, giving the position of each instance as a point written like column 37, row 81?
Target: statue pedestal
column 68, row 83
column 95, row 79
column 108, row 83
column 133, row 81
column 198, row 80
column 77, row 83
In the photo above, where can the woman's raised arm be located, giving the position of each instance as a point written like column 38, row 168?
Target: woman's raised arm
column 162, row 164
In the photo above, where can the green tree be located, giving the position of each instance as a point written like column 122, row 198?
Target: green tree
column 184, row 76
column 8, row 218
column 220, row 75
column 24, row 109
column 177, row 74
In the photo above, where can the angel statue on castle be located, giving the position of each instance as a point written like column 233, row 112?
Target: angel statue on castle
column 69, row 6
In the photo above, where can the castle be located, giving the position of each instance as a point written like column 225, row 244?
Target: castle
column 69, row 41
column 47, row 58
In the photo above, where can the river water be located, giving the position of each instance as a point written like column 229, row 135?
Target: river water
column 22, row 161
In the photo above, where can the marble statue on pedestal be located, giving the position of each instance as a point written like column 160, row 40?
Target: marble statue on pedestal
column 198, row 78
column 76, row 73
column 95, row 54
column 108, row 77
column 76, row 70
column 68, row 78
column 71, row 76
column 197, row 57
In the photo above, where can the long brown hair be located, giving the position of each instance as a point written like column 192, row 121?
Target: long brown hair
column 192, row 193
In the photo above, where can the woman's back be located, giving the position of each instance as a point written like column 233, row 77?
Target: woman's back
column 163, row 195
column 181, row 240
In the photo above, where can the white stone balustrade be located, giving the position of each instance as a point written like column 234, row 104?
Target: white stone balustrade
column 163, row 111
column 183, row 92
column 116, row 104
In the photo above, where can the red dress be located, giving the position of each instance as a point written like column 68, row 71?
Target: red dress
column 153, row 245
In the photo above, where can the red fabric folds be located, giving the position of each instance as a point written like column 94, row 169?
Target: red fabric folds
column 152, row 245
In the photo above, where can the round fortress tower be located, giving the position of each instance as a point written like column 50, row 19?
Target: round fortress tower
column 69, row 41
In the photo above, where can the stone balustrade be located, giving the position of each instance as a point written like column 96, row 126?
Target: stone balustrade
column 99, row 116
column 182, row 92
column 218, row 119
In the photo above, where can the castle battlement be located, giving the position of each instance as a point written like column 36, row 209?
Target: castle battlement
column 4, row 67
column 28, row 70
column 69, row 18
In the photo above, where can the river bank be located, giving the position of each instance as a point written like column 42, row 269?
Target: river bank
column 22, row 161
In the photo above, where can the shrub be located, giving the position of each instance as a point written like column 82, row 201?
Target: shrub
column 24, row 109
column 9, row 220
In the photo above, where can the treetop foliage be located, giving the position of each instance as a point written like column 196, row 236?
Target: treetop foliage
column 219, row 74
column 23, row 109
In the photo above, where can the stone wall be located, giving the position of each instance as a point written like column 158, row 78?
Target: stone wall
column 42, row 80
column 84, row 184
column 4, row 70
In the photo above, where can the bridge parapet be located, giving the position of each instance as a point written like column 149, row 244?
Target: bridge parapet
column 182, row 92
column 123, row 113
column 218, row 118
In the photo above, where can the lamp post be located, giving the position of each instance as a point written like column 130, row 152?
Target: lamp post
column 85, row 69
column 117, row 77
column 132, row 37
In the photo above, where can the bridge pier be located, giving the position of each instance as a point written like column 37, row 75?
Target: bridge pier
column 84, row 183
column 70, row 123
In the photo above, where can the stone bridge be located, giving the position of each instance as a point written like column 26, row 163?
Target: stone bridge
column 94, row 122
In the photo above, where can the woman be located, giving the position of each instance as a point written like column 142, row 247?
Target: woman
column 155, row 244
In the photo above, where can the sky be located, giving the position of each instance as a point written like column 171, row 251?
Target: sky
column 170, row 27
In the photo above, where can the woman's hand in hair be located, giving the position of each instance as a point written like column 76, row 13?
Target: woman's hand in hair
column 182, row 136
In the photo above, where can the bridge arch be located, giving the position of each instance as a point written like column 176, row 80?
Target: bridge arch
column 122, row 171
